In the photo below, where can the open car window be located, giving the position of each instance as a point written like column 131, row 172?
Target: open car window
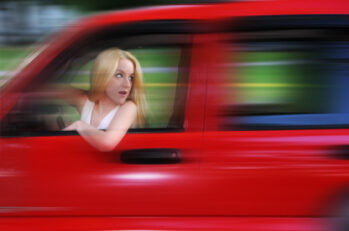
column 164, row 60
column 160, row 68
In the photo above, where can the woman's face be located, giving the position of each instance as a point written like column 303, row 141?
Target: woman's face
column 120, row 85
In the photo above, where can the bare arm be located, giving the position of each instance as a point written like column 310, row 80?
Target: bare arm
column 73, row 96
column 107, row 140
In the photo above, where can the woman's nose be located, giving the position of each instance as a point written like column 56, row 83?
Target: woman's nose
column 127, row 82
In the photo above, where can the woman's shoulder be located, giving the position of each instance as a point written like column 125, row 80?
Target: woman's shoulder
column 84, row 97
column 81, row 97
column 81, row 93
column 130, row 105
column 127, row 108
column 124, row 116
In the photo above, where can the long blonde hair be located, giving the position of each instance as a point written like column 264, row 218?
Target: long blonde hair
column 104, row 68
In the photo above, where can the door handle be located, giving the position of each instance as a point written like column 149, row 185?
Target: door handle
column 151, row 156
column 341, row 152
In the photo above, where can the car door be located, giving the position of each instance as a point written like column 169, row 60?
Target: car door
column 152, row 172
column 277, row 142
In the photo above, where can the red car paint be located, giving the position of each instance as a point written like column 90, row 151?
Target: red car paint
column 228, row 180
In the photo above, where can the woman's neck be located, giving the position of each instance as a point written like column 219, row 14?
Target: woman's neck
column 104, row 104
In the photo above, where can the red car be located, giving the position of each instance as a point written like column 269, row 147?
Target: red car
column 248, row 126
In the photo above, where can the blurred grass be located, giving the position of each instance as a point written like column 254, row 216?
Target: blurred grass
column 277, row 77
column 10, row 57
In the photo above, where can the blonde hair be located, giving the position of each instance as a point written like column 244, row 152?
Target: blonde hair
column 104, row 68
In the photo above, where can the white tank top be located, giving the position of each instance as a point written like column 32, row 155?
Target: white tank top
column 86, row 115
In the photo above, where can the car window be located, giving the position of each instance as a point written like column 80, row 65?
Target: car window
column 163, row 59
column 285, row 74
column 160, row 67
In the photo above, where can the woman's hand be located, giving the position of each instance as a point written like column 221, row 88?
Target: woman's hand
column 106, row 141
column 73, row 127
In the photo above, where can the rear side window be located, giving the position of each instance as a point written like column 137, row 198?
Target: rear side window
column 287, row 73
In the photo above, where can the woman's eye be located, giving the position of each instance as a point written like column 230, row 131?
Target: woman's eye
column 118, row 75
column 131, row 78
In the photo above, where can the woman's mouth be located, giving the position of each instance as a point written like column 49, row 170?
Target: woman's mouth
column 123, row 93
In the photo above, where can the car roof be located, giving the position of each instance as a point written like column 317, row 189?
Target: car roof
column 219, row 11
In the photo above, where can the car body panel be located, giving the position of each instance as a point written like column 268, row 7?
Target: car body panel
column 243, row 180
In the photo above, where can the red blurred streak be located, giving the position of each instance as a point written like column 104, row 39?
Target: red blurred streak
column 165, row 223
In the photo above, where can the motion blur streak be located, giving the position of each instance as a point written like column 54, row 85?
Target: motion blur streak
column 143, row 176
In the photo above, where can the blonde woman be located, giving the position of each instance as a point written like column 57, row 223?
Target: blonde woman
column 115, row 101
